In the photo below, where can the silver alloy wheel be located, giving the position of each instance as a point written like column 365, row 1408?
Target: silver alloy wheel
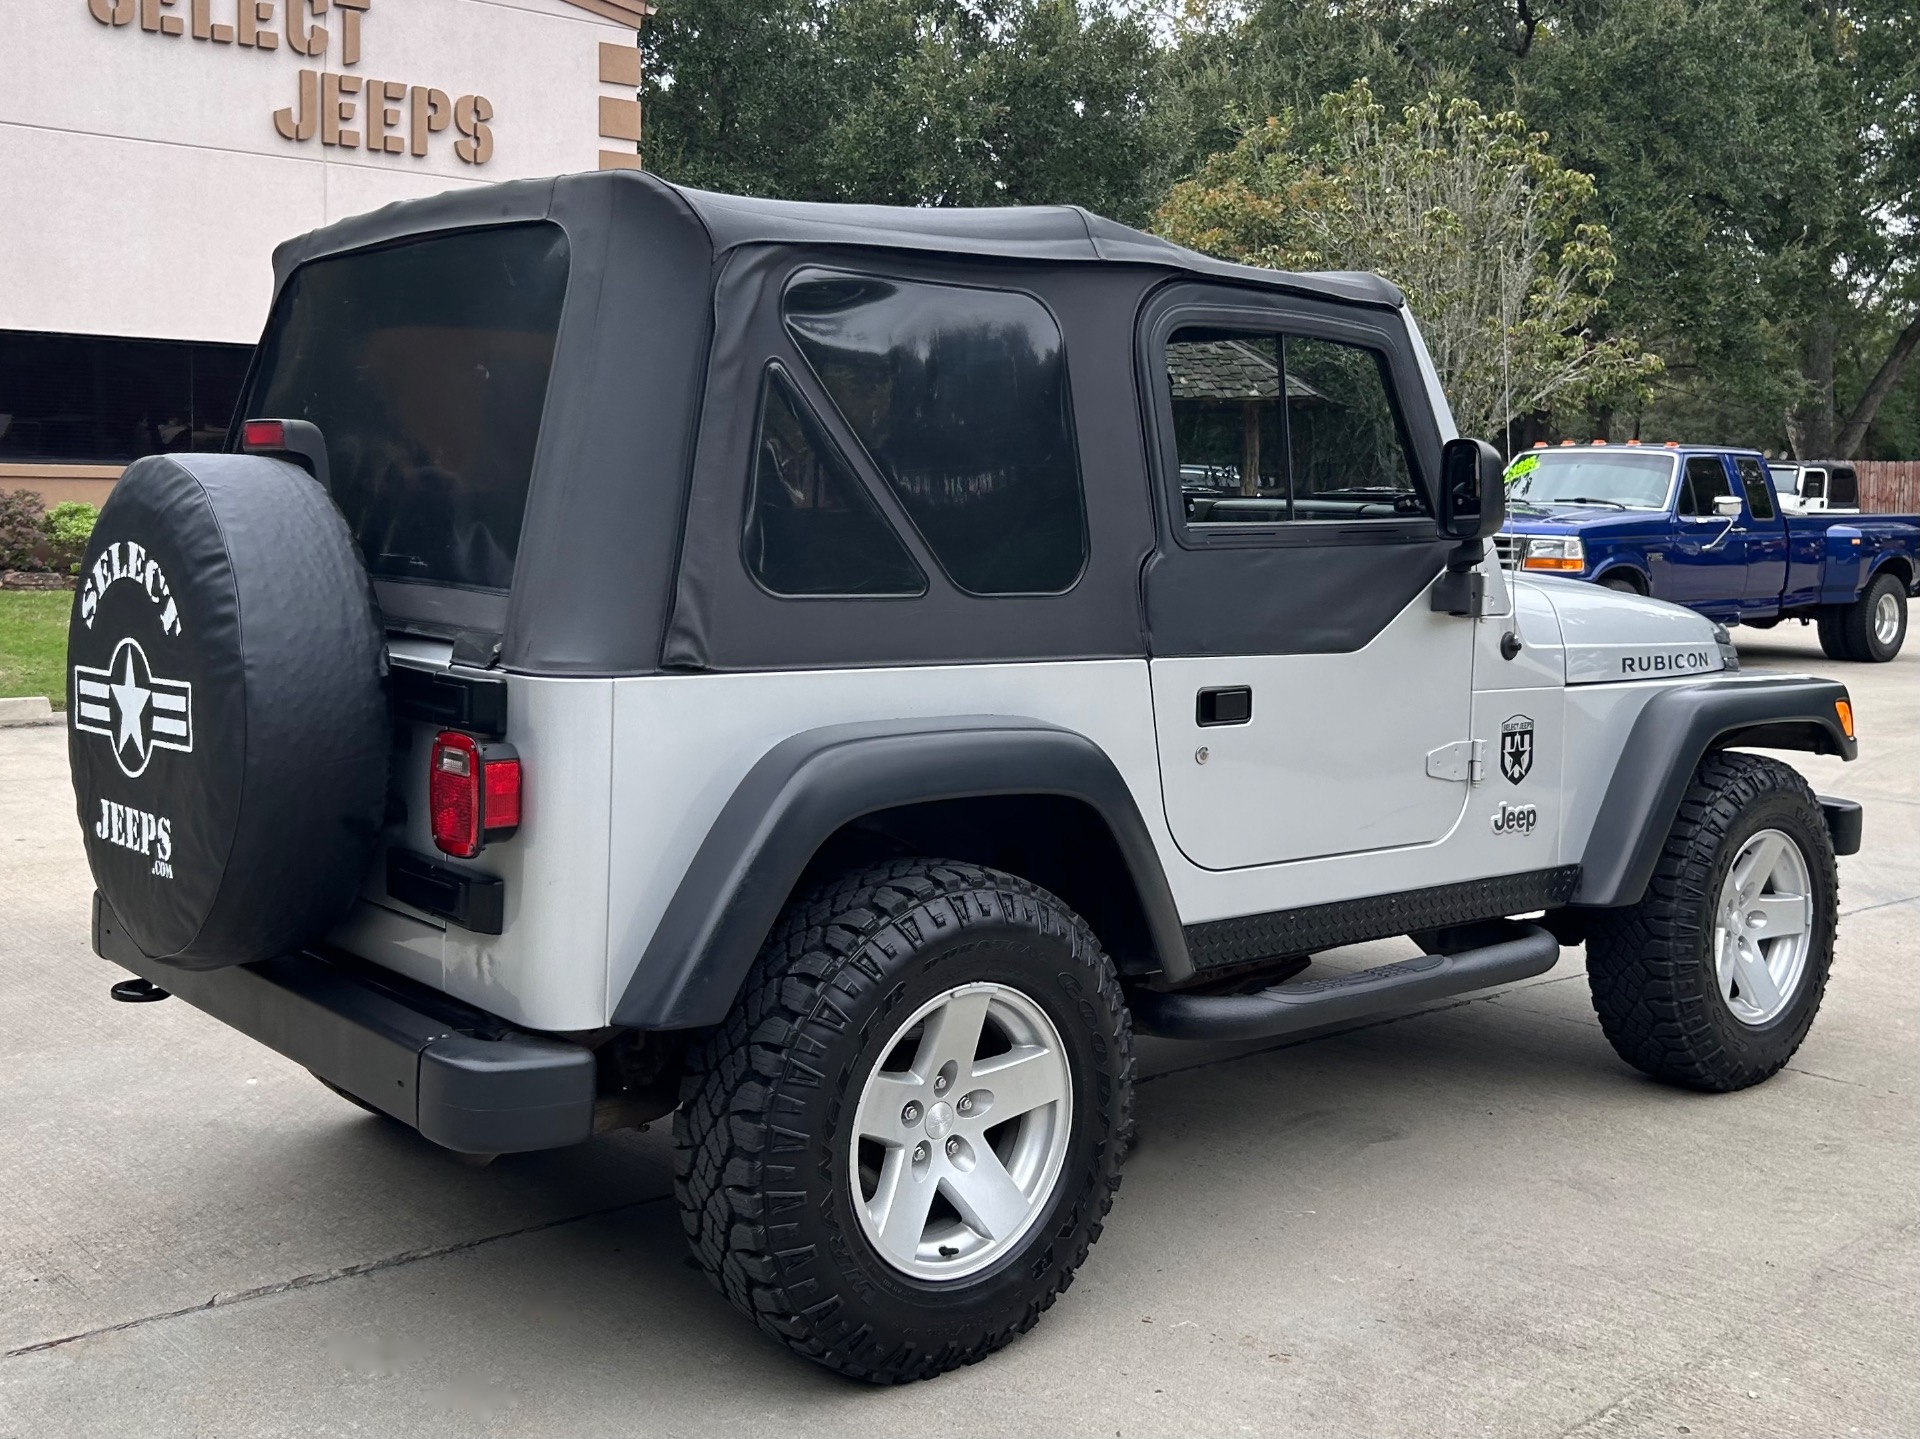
column 1886, row 617
column 1763, row 927
column 958, row 1146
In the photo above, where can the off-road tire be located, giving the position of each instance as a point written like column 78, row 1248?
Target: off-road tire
column 1854, row 623
column 761, row 1136
column 1650, row 967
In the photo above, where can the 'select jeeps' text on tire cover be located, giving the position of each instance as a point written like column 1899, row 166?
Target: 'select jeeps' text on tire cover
column 226, row 721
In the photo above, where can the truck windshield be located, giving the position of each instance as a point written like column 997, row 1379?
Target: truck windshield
column 1571, row 477
column 1785, row 478
column 425, row 366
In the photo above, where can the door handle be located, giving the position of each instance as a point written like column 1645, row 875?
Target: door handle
column 1230, row 705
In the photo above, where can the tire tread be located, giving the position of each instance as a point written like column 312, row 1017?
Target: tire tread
column 727, row 1127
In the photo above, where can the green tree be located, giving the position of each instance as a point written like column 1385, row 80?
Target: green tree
column 944, row 102
column 1466, row 212
column 1755, row 162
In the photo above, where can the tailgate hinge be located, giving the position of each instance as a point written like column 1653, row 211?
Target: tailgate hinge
column 1464, row 759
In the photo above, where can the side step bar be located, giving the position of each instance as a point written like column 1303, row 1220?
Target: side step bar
column 1312, row 1003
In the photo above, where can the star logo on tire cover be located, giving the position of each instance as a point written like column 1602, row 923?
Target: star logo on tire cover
column 137, row 712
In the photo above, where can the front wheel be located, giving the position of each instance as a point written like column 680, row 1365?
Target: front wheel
column 899, row 1147
column 1713, row 979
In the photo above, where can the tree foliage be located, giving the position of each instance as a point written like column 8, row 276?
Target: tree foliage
column 938, row 102
column 1755, row 163
column 1467, row 212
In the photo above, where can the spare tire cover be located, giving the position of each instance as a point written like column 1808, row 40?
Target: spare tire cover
column 227, row 724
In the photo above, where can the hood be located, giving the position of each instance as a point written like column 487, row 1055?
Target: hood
column 1531, row 519
column 1611, row 636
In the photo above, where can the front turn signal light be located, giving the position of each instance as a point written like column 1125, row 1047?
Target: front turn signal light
column 1844, row 710
column 1557, row 554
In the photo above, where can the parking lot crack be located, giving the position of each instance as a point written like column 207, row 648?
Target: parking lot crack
column 328, row 1276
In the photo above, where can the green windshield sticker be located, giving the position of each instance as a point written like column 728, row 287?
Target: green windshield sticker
column 1521, row 467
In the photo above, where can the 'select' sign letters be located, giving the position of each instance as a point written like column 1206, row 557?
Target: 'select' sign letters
column 383, row 117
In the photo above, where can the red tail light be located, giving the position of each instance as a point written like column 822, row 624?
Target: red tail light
column 473, row 793
column 263, row 435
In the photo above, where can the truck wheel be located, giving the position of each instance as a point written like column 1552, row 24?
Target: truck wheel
column 1713, row 979
column 1875, row 625
column 1830, row 626
column 900, row 1145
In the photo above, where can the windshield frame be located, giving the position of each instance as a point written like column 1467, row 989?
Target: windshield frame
column 1667, row 494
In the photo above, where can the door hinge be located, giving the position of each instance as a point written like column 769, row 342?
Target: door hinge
column 1464, row 759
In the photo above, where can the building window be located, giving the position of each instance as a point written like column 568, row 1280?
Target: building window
column 960, row 396
column 97, row 400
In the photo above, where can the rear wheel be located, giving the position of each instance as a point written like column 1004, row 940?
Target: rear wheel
column 1713, row 979
column 1875, row 625
column 899, row 1147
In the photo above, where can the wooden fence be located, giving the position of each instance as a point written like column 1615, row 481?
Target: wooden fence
column 1889, row 487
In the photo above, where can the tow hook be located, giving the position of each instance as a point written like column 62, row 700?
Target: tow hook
column 138, row 991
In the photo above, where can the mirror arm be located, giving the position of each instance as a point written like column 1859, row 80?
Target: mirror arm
column 1461, row 588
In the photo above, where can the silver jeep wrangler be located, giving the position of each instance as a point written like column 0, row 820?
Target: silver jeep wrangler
column 832, row 674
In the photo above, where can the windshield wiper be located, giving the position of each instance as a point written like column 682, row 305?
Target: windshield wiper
column 1589, row 500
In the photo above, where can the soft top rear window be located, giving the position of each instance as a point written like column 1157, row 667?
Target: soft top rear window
column 425, row 365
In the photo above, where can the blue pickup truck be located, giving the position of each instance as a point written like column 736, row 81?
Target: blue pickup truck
column 1702, row 526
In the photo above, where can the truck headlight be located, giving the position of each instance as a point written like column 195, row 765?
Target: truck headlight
column 1562, row 553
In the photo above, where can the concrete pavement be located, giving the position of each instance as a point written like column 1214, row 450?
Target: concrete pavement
column 1470, row 1220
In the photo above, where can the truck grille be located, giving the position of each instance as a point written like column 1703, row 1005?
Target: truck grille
column 1504, row 545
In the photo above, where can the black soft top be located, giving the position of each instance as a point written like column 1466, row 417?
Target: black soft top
column 629, row 558
column 1012, row 232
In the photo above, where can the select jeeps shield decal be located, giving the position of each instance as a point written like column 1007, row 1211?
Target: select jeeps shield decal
column 135, row 710
column 1516, row 748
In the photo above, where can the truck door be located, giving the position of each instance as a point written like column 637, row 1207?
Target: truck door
column 1300, row 679
column 1766, row 539
column 1709, row 552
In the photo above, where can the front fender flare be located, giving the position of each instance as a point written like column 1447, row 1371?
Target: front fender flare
column 1670, row 737
column 808, row 786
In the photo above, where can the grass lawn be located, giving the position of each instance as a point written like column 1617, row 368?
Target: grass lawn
column 33, row 643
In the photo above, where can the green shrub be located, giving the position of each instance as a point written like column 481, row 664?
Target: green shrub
column 23, row 534
column 69, row 527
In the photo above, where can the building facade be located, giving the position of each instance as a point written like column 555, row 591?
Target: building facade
column 153, row 153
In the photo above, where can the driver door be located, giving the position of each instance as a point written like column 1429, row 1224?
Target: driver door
column 1300, row 678
column 1709, row 555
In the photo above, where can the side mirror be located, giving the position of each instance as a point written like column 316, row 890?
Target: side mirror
column 1727, row 507
column 1473, row 492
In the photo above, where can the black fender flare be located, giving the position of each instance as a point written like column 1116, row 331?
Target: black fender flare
column 810, row 785
column 1670, row 736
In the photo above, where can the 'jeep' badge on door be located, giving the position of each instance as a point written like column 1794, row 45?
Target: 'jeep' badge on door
column 1516, row 748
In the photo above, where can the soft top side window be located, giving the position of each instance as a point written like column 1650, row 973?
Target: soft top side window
column 1336, row 449
column 812, row 528
column 959, row 396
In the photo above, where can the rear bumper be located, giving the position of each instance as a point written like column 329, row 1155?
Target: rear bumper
column 465, row 1080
